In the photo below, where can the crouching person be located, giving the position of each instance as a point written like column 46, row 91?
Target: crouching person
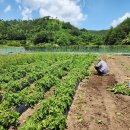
column 102, row 67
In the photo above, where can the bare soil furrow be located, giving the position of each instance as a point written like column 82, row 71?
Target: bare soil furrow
column 95, row 107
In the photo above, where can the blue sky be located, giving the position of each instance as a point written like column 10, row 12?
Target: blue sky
column 89, row 14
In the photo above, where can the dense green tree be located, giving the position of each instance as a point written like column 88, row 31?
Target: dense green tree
column 119, row 34
column 43, row 37
column 45, row 30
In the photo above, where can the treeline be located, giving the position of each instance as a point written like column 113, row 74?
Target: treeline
column 45, row 32
column 119, row 35
column 53, row 32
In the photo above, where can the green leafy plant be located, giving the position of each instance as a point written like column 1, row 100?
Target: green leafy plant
column 121, row 88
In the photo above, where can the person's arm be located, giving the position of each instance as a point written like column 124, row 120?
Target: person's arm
column 99, row 64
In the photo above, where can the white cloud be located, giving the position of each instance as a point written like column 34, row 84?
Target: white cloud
column 7, row 9
column 120, row 20
column 26, row 14
column 66, row 10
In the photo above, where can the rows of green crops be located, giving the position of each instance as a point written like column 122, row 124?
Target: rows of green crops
column 25, row 78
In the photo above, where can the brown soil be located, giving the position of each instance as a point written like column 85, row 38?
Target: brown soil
column 95, row 107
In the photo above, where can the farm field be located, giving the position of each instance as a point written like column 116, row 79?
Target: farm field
column 61, row 91
column 102, row 102
column 46, row 82
column 53, row 74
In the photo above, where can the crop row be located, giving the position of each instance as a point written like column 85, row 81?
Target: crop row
column 18, row 71
column 51, row 114
column 61, row 71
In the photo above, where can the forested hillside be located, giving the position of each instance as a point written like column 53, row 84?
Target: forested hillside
column 119, row 35
column 45, row 32
column 101, row 33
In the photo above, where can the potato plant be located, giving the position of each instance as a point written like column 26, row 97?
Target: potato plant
column 29, row 77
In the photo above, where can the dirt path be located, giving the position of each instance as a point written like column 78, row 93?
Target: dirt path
column 120, row 67
column 95, row 107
